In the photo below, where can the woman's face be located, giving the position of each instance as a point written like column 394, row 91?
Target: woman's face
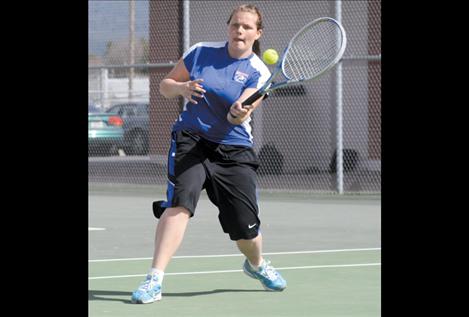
column 242, row 32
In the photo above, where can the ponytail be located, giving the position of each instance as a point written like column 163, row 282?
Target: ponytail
column 256, row 48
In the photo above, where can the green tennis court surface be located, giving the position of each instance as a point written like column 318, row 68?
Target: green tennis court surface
column 328, row 250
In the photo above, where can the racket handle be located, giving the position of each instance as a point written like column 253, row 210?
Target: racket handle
column 258, row 94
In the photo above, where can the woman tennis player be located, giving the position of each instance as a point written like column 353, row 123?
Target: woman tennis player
column 211, row 149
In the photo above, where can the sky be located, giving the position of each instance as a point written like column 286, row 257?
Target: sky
column 109, row 21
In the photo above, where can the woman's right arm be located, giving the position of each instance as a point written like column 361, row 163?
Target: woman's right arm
column 178, row 83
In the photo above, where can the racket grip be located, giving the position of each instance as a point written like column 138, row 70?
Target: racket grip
column 258, row 94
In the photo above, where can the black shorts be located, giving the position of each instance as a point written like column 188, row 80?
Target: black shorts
column 226, row 172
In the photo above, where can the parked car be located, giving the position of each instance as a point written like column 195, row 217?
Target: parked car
column 105, row 132
column 136, row 126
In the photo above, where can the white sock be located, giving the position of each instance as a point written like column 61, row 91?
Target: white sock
column 160, row 274
column 256, row 268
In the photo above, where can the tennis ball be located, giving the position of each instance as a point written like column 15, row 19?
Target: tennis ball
column 270, row 56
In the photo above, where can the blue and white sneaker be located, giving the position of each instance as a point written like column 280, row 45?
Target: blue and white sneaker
column 270, row 279
column 149, row 291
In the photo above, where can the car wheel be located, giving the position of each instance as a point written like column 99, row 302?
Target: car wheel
column 113, row 150
column 138, row 143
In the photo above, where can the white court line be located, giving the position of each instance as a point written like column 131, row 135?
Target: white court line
column 95, row 229
column 239, row 254
column 235, row 271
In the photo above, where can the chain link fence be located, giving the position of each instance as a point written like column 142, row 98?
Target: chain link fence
column 297, row 131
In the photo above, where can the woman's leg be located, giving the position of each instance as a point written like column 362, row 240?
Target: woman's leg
column 169, row 234
column 252, row 249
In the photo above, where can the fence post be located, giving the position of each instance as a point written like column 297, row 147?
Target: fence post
column 339, row 106
column 103, row 87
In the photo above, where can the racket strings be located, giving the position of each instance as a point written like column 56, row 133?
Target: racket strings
column 313, row 51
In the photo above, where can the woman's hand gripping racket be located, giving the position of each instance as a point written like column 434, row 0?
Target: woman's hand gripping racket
column 315, row 49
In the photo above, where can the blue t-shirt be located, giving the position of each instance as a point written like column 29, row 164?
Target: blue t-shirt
column 225, row 79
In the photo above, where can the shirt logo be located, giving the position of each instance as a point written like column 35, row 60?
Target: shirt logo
column 240, row 77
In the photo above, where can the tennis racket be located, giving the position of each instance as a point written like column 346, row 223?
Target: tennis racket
column 315, row 49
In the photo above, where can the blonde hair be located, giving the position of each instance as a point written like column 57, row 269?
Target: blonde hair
column 252, row 9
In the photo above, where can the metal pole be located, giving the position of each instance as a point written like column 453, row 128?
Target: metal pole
column 131, row 46
column 339, row 106
column 104, row 87
column 186, row 25
column 185, row 32
column 155, row 65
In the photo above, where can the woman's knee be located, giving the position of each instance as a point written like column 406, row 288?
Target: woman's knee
column 174, row 211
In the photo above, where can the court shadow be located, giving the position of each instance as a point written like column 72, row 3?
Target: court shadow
column 215, row 291
column 105, row 295
column 109, row 295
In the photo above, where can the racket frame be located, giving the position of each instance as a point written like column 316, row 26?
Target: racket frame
column 279, row 67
